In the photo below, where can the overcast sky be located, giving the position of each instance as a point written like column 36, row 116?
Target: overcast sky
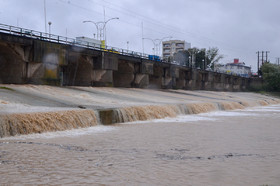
column 239, row 28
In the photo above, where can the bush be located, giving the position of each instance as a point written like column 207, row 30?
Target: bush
column 271, row 76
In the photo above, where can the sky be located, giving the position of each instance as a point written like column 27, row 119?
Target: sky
column 239, row 28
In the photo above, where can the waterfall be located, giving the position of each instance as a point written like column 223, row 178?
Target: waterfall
column 27, row 123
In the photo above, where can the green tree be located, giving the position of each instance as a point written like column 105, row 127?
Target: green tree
column 271, row 76
column 213, row 57
column 202, row 57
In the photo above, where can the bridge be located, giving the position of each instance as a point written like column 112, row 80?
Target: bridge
column 28, row 56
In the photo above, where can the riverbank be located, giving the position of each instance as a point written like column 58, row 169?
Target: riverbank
column 26, row 109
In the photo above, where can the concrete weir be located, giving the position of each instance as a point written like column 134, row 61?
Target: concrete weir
column 28, row 60
column 26, row 109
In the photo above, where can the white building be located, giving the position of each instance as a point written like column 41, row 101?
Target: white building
column 169, row 48
column 235, row 68
column 89, row 42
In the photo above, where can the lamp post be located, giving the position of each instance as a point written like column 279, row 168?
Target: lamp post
column 100, row 28
column 190, row 58
column 45, row 15
column 49, row 29
column 157, row 43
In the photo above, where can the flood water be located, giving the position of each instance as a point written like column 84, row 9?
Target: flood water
column 239, row 147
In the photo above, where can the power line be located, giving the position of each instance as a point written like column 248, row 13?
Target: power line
column 115, row 7
column 161, row 24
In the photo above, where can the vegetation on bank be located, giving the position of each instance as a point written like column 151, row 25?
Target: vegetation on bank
column 271, row 76
column 272, row 94
column 6, row 88
column 271, row 80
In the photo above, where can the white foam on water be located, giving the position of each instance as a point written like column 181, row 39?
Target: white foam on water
column 227, row 114
column 271, row 108
column 209, row 116
column 67, row 133
column 178, row 119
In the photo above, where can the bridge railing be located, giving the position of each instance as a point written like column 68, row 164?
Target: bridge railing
column 66, row 40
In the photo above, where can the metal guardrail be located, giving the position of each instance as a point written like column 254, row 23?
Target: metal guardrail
column 68, row 41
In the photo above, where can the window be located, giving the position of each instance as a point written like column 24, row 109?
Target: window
column 166, row 50
column 166, row 45
column 180, row 45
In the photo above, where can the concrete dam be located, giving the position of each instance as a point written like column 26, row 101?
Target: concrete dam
column 50, row 83
column 30, row 57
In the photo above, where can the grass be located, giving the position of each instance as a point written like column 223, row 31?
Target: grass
column 6, row 88
column 274, row 94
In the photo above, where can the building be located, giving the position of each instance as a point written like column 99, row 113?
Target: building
column 169, row 48
column 235, row 68
column 90, row 42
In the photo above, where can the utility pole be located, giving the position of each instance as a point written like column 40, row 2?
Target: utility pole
column 258, row 69
column 266, row 56
column 278, row 61
column 142, row 27
column 262, row 57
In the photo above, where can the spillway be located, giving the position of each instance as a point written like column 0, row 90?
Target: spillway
column 26, row 109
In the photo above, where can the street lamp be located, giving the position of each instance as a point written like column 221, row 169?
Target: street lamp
column 100, row 27
column 49, row 28
column 190, row 58
column 157, row 43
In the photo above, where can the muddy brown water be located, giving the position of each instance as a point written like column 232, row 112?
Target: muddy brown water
column 239, row 147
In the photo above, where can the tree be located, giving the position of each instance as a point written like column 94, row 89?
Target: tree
column 271, row 76
column 206, row 58
column 213, row 57
column 203, row 58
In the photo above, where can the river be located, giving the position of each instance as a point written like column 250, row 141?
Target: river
column 240, row 147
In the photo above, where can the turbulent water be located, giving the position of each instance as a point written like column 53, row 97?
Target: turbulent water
column 26, row 109
column 217, row 148
column 171, row 137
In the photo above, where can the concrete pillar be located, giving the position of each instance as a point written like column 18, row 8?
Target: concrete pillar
column 167, row 79
column 102, row 78
column 12, row 67
column 181, row 80
column 228, row 83
column 155, row 80
column 236, row 83
column 124, row 76
column 208, row 81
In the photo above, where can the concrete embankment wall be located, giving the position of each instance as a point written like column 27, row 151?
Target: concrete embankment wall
column 26, row 60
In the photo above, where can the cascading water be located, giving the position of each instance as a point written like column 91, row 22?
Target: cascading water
column 27, row 123
column 141, row 113
column 26, row 109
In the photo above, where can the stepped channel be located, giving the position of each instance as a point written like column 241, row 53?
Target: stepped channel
column 26, row 109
